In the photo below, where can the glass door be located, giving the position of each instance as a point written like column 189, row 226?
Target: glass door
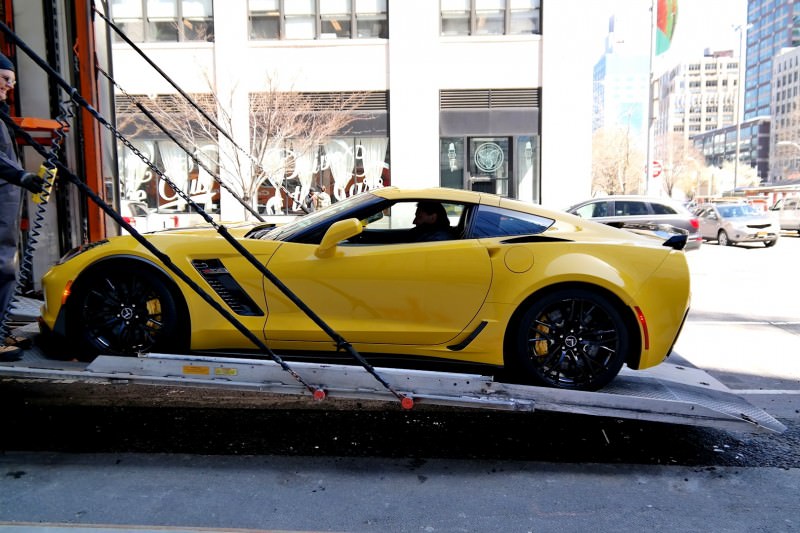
column 489, row 165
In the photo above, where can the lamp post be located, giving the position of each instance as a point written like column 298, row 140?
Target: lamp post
column 742, row 29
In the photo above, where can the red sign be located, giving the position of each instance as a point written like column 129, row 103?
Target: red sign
column 656, row 169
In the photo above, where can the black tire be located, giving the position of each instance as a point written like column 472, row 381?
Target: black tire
column 123, row 309
column 770, row 244
column 722, row 238
column 571, row 339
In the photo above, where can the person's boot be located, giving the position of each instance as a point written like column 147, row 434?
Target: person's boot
column 10, row 353
column 19, row 342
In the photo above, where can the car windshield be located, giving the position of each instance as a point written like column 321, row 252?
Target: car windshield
column 285, row 232
column 138, row 210
column 735, row 211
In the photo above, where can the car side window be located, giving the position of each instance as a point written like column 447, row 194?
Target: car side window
column 630, row 208
column 498, row 222
column 592, row 210
column 394, row 224
column 661, row 209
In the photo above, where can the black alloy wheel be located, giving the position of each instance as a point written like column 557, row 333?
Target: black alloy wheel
column 123, row 310
column 572, row 339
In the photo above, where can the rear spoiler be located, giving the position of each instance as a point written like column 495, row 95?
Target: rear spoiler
column 673, row 237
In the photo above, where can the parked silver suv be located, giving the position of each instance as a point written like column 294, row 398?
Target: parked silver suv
column 619, row 210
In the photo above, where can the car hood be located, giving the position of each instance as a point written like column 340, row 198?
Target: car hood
column 236, row 229
column 750, row 220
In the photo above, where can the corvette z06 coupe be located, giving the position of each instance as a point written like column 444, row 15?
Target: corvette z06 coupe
column 536, row 296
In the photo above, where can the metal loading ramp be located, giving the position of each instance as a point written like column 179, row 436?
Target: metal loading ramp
column 667, row 393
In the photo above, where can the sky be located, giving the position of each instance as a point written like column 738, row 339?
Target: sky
column 701, row 24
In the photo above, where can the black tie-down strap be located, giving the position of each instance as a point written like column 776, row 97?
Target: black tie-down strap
column 340, row 343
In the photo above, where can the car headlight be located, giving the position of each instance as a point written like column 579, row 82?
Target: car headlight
column 79, row 250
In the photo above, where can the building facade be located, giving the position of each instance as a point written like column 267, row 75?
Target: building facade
column 785, row 135
column 694, row 97
column 621, row 78
column 449, row 93
column 718, row 146
column 772, row 26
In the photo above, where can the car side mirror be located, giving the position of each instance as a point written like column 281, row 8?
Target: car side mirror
column 338, row 232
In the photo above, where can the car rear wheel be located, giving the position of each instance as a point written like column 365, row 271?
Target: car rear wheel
column 722, row 238
column 571, row 339
column 123, row 310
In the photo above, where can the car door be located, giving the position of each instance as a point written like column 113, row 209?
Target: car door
column 405, row 293
column 709, row 222
column 790, row 214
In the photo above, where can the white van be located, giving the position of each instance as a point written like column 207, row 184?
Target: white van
column 788, row 211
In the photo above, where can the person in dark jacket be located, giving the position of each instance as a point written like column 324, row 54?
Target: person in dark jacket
column 12, row 178
column 430, row 223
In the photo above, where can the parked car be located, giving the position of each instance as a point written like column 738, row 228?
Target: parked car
column 628, row 210
column 788, row 212
column 138, row 215
column 733, row 223
column 536, row 295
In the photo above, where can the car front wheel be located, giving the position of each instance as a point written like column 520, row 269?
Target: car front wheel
column 722, row 238
column 571, row 339
column 123, row 310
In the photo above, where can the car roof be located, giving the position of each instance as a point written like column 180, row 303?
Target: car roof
column 444, row 194
column 630, row 198
column 634, row 197
column 433, row 193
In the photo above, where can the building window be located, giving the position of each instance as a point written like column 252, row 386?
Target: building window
column 490, row 17
column 164, row 20
column 318, row 19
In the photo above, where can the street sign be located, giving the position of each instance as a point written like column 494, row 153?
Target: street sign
column 656, row 168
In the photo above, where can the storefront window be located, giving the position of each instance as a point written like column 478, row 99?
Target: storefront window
column 138, row 183
column 506, row 166
column 344, row 166
column 526, row 172
column 451, row 162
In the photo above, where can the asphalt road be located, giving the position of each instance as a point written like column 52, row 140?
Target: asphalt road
column 185, row 458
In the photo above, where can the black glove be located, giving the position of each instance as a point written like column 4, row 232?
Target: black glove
column 32, row 182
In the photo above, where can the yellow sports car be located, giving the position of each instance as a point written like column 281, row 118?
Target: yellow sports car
column 409, row 278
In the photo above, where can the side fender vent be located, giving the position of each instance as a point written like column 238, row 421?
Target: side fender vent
column 221, row 281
